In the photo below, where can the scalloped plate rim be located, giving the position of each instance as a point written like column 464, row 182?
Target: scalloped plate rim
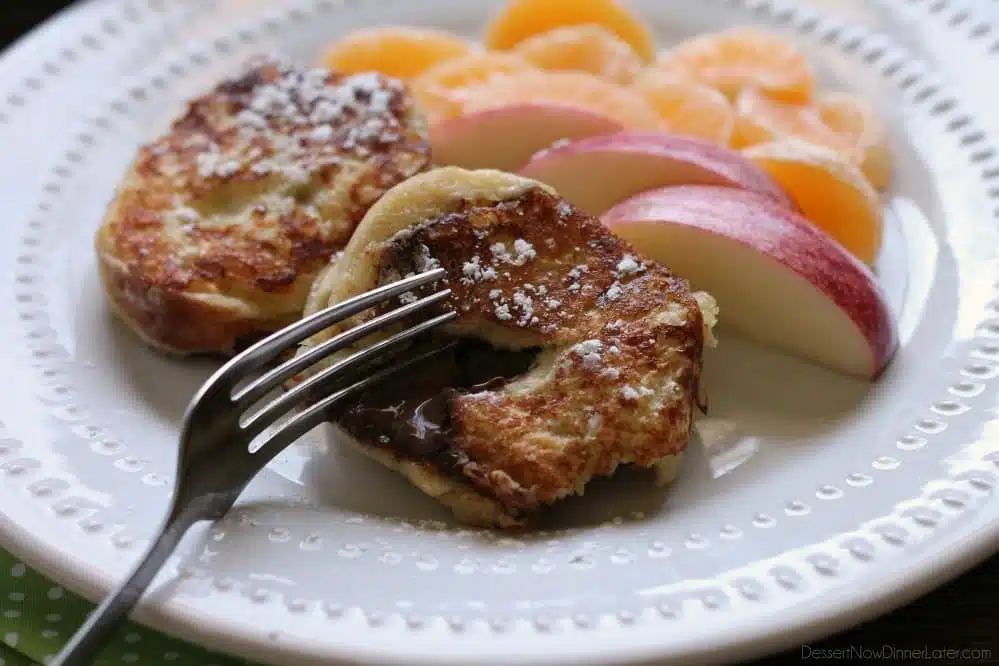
column 978, row 537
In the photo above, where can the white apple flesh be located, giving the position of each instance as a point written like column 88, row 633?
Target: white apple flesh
column 778, row 279
column 594, row 173
column 505, row 137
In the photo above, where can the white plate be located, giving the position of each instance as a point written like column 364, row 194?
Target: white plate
column 809, row 503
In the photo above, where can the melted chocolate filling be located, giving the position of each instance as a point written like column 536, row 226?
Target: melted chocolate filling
column 410, row 413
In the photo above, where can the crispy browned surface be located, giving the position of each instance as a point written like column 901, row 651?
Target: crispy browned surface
column 221, row 224
column 617, row 378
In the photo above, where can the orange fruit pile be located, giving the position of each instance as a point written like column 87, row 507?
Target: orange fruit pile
column 838, row 121
column 441, row 89
column 586, row 48
column 761, row 119
column 577, row 89
column 573, row 52
column 857, row 122
column 741, row 87
column 397, row 51
column 688, row 107
column 521, row 19
column 739, row 58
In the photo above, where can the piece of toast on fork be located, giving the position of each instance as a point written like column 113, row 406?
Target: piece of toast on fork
column 576, row 355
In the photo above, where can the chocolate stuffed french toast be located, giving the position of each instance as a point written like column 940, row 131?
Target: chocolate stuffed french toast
column 576, row 355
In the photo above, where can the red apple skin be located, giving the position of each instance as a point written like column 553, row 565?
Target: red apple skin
column 759, row 223
column 685, row 161
column 505, row 137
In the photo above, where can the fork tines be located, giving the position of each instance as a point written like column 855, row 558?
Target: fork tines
column 243, row 366
column 271, row 347
column 323, row 319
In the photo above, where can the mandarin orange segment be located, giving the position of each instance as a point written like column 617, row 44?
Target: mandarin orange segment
column 745, row 57
column 857, row 122
column 688, row 107
column 583, row 48
column 830, row 191
column 760, row 119
column 441, row 88
column 520, row 19
column 576, row 89
column 839, row 121
column 398, row 51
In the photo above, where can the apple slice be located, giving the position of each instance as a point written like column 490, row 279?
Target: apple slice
column 505, row 137
column 832, row 193
column 594, row 173
column 778, row 279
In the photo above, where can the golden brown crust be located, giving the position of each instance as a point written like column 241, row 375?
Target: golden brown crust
column 619, row 335
column 221, row 225
column 176, row 322
column 616, row 381
column 467, row 503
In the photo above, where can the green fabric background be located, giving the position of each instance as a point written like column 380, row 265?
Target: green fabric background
column 37, row 617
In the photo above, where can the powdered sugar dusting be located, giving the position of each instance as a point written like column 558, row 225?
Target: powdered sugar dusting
column 590, row 352
column 629, row 265
column 564, row 209
column 212, row 163
column 321, row 133
column 522, row 252
column 575, row 274
column 425, row 261
column 520, row 306
column 292, row 108
column 474, row 271
column 526, row 306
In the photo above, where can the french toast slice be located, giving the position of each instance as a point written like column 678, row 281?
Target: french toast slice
column 575, row 354
column 220, row 225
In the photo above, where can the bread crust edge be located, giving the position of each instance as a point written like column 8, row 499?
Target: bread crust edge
column 469, row 506
column 175, row 322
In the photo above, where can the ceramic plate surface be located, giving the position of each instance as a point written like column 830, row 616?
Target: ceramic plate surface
column 807, row 503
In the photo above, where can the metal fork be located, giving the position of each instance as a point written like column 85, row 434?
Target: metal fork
column 216, row 463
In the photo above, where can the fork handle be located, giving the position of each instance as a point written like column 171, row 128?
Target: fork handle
column 105, row 620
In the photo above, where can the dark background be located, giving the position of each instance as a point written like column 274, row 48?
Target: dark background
column 962, row 614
